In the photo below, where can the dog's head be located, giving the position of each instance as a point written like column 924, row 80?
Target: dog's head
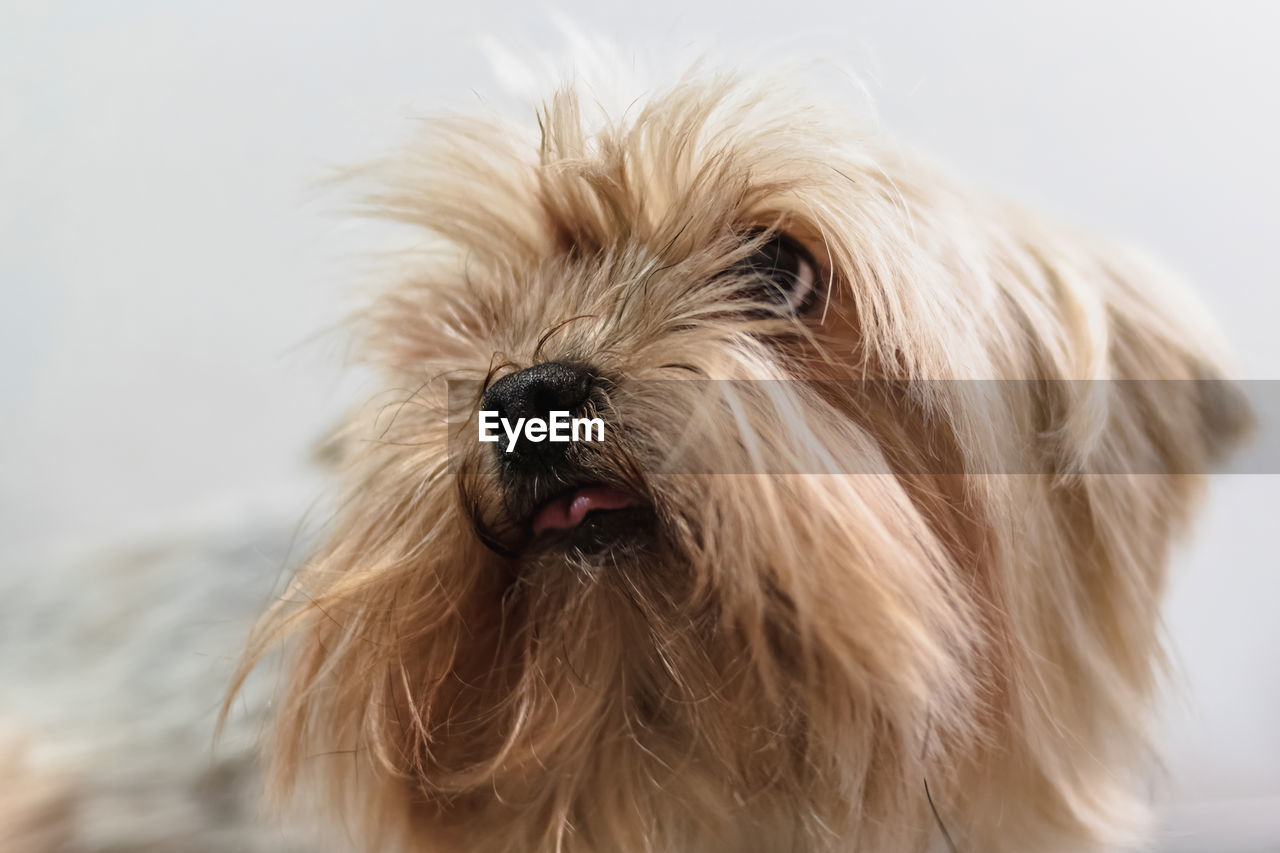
column 870, row 510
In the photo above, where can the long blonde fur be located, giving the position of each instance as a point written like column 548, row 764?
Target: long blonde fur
column 809, row 648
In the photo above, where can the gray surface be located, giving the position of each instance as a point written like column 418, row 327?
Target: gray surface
column 114, row 666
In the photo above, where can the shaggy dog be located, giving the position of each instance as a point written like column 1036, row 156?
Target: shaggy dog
column 870, row 555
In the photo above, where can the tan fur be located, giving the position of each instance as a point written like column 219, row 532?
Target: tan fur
column 808, row 647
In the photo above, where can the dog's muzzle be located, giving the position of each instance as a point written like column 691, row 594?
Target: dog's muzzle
column 549, row 490
column 536, row 392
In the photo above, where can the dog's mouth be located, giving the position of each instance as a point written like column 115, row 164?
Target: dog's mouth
column 568, row 511
column 590, row 517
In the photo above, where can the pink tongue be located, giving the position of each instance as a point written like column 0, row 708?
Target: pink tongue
column 567, row 511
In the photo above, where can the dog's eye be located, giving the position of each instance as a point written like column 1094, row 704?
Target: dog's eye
column 781, row 273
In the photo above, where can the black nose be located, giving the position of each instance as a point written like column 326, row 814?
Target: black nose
column 536, row 392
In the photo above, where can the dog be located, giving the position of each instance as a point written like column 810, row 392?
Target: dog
column 868, row 555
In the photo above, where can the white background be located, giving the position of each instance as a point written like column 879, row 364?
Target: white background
column 166, row 263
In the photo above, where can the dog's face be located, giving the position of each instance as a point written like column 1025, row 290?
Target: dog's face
column 817, row 561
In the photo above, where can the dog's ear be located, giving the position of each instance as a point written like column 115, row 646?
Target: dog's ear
column 1130, row 402
column 1134, row 380
column 1158, row 333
